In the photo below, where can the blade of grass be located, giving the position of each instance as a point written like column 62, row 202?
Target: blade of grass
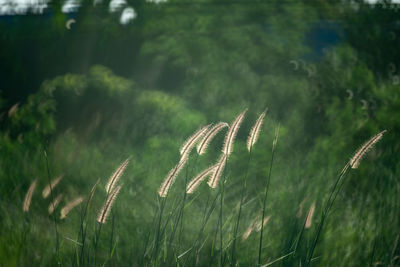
column 266, row 193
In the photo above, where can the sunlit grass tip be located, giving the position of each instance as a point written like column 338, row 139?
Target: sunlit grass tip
column 256, row 225
column 216, row 175
column 209, row 135
column 301, row 207
column 249, row 230
column 356, row 159
column 310, row 215
column 261, row 224
column 106, row 209
column 191, row 141
column 53, row 205
column 69, row 206
column 232, row 132
column 255, row 131
column 198, row 179
column 112, row 181
column 28, row 196
column 170, row 178
column 46, row 191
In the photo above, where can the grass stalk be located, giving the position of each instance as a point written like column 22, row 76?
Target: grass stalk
column 222, row 187
column 158, row 230
column 244, row 188
column 266, row 194
column 52, row 201
column 332, row 197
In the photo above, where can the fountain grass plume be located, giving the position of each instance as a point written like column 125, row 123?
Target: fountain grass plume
column 171, row 176
column 112, row 181
column 301, row 207
column 255, row 131
column 355, row 160
column 310, row 215
column 53, row 205
column 249, row 229
column 28, row 196
column 262, row 223
column 105, row 210
column 256, row 225
column 47, row 190
column 192, row 140
column 216, row 176
column 198, row 179
column 209, row 135
column 232, row 132
column 69, row 206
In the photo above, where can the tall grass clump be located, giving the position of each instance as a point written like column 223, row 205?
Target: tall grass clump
column 208, row 210
column 268, row 180
column 353, row 163
column 251, row 140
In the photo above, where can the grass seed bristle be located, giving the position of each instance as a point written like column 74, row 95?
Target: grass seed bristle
column 112, row 181
column 255, row 131
column 198, row 179
column 209, row 135
column 53, row 205
column 28, row 196
column 46, row 191
column 69, row 206
column 105, row 210
column 232, row 132
column 216, row 175
column 356, row 159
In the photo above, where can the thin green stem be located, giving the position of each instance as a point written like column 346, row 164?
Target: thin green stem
column 266, row 194
column 244, row 187
column 328, row 205
column 222, row 183
column 161, row 210
column 52, row 201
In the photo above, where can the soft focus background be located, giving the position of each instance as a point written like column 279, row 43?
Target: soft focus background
column 91, row 83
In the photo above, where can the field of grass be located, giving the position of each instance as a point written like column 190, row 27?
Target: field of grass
column 189, row 222
column 200, row 133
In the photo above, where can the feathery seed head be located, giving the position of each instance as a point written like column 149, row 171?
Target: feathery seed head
column 355, row 160
column 69, row 206
column 28, row 196
column 192, row 140
column 232, row 132
column 46, row 191
column 251, row 227
column 198, row 179
column 209, row 135
column 310, row 215
column 105, row 210
column 169, row 180
column 261, row 224
column 53, row 205
column 112, row 181
column 301, row 206
column 216, row 174
column 255, row 131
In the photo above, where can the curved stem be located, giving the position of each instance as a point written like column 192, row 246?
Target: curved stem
column 266, row 193
column 328, row 205
column 240, row 210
